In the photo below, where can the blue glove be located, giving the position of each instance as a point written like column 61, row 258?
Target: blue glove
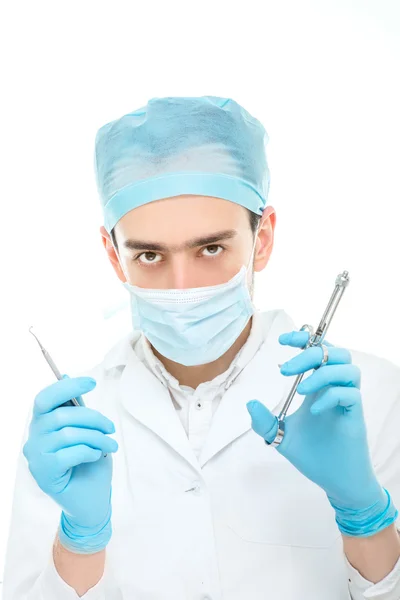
column 64, row 451
column 326, row 438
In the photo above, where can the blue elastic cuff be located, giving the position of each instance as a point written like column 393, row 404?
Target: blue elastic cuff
column 84, row 540
column 368, row 522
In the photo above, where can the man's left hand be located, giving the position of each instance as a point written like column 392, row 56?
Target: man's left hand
column 326, row 438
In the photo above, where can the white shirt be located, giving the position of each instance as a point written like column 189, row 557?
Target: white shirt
column 204, row 511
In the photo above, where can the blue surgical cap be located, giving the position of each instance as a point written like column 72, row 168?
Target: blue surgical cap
column 208, row 146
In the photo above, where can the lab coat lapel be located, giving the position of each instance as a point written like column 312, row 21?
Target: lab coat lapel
column 148, row 401
column 259, row 380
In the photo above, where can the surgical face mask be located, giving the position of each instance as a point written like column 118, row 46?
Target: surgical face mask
column 193, row 326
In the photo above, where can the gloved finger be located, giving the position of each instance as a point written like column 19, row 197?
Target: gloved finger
column 74, row 416
column 297, row 339
column 347, row 397
column 61, row 391
column 75, row 436
column 73, row 456
column 311, row 358
column 79, row 398
column 262, row 420
column 341, row 375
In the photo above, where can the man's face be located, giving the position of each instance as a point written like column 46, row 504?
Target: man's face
column 187, row 241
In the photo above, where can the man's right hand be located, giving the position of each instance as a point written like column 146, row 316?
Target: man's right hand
column 64, row 451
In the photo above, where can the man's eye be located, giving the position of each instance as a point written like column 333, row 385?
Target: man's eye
column 213, row 248
column 152, row 256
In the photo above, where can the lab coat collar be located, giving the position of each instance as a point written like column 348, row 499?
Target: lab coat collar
column 261, row 380
column 119, row 354
column 149, row 402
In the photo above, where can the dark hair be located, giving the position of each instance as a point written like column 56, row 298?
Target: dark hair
column 253, row 218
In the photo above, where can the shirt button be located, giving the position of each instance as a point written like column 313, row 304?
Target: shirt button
column 199, row 405
column 195, row 488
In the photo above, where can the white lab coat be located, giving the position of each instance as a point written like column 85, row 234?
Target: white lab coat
column 237, row 523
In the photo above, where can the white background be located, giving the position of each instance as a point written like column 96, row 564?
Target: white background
column 322, row 76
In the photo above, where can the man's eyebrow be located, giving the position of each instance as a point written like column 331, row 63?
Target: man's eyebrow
column 133, row 244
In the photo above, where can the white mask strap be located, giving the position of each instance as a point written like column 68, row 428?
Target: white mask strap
column 253, row 250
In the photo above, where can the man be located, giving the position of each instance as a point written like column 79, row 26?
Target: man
column 198, row 497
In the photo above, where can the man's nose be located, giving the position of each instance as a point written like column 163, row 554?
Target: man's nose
column 182, row 274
